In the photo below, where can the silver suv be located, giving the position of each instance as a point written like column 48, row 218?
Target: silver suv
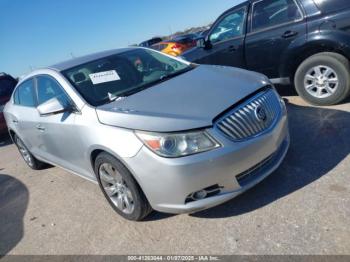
column 155, row 132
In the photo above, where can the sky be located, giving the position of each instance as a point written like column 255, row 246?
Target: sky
column 38, row 33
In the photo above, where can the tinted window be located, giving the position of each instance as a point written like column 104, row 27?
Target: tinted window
column 230, row 26
column 185, row 39
column 49, row 88
column 154, row 41
column 150, row 42
column 159, row 46
column 6, row 86
column 26, row 94
column 332, row 5
column 268, row 13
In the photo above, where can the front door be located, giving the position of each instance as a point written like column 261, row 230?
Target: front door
column 59, row 143
column 226, row 41
column 274, row 26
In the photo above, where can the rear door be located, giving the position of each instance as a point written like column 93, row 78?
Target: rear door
column 226, row 39
column 24, row 117
column 273, row 26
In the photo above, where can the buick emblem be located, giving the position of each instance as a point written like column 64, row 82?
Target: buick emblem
column 260, row 113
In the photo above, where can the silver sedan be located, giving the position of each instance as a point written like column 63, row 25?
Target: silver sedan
column 155, row 132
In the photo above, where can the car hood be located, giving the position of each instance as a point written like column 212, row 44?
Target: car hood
column 189, row 101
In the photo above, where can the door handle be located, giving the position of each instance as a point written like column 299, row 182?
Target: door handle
column 40, row 127
column 289, row 34
column 231, row 48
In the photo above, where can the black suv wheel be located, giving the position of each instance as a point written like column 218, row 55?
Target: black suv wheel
column 323, row 79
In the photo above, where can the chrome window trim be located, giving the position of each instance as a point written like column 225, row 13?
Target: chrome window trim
column 251, row 31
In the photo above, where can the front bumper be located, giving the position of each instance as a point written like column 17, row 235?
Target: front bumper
column 168, row 182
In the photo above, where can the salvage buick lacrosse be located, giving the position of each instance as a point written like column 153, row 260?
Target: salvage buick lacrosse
column 155, row 132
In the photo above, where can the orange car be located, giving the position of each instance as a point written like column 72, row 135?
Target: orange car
column 177, row 45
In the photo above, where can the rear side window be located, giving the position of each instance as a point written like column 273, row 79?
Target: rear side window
column 332, row 5
column 24, row 95
column 49, row 88
column 268, row 13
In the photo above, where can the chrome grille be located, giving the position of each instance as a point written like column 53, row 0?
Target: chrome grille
column 251, row 118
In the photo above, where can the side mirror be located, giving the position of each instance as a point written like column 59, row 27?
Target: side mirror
column 204, row 43
column 200, row 43
column 52, row 106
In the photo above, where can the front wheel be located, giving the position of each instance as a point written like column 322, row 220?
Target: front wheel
column 323, row 79
column 120, row 188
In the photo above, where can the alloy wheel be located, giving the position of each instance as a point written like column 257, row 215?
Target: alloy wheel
column 116, row 188
column 25, row 153
column 321, row 81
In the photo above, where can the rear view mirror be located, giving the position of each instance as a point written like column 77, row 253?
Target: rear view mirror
column 52, row 106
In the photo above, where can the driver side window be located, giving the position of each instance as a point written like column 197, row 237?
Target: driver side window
column 49, row 88
column 230, row 26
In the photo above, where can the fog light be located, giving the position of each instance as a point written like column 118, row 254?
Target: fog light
column 200, row 194
column 204, row 193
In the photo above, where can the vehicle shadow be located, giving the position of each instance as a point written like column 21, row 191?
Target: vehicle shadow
column 319, row 142
column 290, row 91
column 5, row 140
column 14, row 198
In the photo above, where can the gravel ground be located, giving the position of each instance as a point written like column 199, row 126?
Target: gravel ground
column 303, row 208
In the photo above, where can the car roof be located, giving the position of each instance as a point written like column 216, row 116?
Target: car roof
column 88, row 58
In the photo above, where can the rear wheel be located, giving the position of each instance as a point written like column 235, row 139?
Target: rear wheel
column 30, row 160
column 323, row 79
column 120, row 188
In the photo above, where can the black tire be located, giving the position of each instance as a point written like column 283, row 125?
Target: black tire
column 141, row 207
column 339, row 64
column 30, row 160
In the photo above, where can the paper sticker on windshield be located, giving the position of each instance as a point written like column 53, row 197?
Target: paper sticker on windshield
column 104, row 77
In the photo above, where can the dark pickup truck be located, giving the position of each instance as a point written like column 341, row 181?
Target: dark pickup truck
column 300, row 42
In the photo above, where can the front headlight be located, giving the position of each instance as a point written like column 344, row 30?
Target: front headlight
column 178, row 144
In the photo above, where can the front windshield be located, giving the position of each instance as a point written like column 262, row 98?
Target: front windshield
column 108, row 78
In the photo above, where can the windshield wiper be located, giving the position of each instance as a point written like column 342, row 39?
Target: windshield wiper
column 112, row 97
column 166, row 77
